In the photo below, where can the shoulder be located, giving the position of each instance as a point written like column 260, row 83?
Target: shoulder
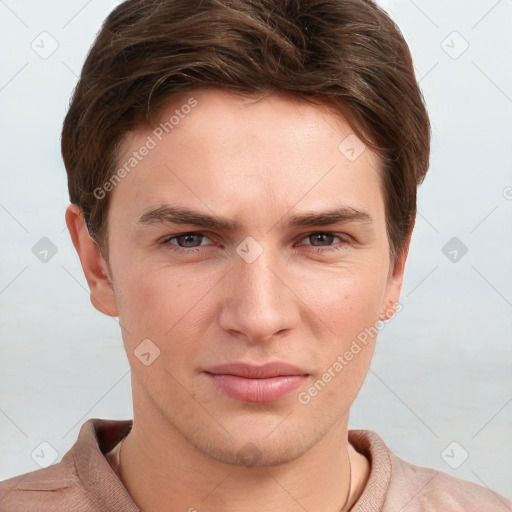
column 82, row 480
column 413, row 488
column 395, row 484
column 53, row 488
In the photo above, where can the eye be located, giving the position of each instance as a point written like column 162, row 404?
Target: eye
column 186, row 242
column 191, row 242
column 326, row 237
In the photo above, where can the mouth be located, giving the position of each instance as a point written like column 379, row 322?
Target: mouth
column 257, row 384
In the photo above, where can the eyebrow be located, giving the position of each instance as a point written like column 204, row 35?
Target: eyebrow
column 179, row 215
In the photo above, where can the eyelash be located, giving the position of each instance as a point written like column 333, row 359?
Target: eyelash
column 345, row 240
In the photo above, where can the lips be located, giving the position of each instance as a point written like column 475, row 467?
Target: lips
column 275, row 369
column 259, row 384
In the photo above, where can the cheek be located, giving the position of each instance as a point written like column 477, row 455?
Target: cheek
column 164, row 305
column 349, row 307
column 344, row 302
column 145, row 302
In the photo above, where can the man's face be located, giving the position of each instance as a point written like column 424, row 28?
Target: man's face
column 269, row 290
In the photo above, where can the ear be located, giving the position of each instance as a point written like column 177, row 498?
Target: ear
column 94, row 266
column 394, row 285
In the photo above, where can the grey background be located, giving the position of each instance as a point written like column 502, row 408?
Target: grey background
column 442, row 369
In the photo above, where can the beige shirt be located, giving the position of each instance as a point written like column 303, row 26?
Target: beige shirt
column 84, row 480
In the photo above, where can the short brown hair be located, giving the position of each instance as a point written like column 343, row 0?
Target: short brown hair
column 349, row 53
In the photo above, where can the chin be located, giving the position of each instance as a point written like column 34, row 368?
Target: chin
column 254, row 454
column 264, row 444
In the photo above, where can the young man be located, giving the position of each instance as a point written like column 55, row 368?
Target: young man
column 243, row 183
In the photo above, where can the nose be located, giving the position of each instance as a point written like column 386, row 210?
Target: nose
column 259, row 302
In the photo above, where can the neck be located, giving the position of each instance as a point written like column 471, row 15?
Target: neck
column 164, row 472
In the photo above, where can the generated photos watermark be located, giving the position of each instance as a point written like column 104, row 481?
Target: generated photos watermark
column 151, row 143
column 361, row 340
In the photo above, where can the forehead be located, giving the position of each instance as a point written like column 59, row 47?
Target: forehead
column 222, row 152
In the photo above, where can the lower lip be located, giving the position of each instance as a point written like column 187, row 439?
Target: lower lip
column 257, row 390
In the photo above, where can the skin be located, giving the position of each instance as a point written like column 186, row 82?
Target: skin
column 256, row 162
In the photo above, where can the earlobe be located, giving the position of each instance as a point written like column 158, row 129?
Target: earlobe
column 389, row 310
column 94, row 266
